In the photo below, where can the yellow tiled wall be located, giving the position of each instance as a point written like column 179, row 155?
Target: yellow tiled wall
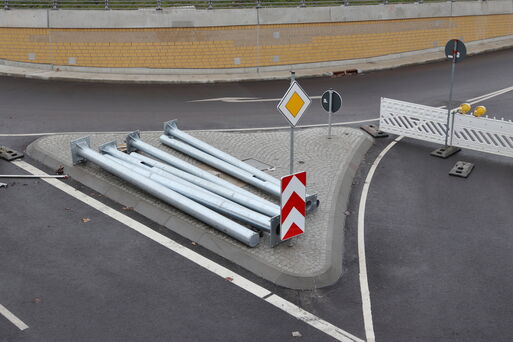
column 242, row 46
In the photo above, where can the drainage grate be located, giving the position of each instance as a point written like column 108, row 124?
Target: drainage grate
column 258, row 164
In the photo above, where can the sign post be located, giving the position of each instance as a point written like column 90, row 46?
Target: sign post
column 455, row 50
column 292, row 105
column 291, row 149
column 331, row 101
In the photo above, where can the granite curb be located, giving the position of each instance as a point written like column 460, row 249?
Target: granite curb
column 271, row 264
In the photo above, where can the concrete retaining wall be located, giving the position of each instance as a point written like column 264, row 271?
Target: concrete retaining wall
column 243, row 38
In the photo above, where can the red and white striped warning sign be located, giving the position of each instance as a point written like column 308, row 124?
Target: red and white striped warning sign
column 293, row 205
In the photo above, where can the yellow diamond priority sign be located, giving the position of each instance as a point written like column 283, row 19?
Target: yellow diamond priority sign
column 294, row 103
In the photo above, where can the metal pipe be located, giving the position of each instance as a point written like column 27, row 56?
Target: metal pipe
column 81, row 151
column 219, row 164
column 171, row 129
column 189, row 189
column 200, row 195
column 260, row 204
column 134, row 143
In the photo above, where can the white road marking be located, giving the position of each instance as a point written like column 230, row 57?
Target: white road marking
column 12, row 318
column 200, row 260
column 199, row 130
column 364, row 282
column 245, row 99
column 312, row 320
column 497, row 92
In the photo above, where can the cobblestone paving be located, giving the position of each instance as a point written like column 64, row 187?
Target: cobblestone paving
column 325, row 161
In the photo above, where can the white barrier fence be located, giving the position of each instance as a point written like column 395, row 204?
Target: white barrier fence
column 429, row 124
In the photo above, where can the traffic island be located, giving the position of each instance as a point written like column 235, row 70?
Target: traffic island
column 314, row 260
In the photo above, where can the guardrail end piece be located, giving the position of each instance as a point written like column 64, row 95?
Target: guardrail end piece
column 75, row 146
column 274, row 234
column 169, row 126
column 103, row 148
column 135, row 135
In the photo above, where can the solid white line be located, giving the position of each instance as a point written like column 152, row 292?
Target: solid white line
column 498, row 92
column 312, row 320
column 200, row 260
column 245, row 99
column 198, row 130
column 364, row 283
column 12, row 318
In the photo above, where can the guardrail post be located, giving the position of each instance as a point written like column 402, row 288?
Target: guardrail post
column 210, row 4
column 6, row 4
column 346, row 2
column 385, row 2
column 303, row 4
column 258, row 4
column 107, row 4
column 55, row 4
column 159, row 5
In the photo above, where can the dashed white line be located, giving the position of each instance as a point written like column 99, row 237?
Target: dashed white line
column 12, row 318
column 200, row 260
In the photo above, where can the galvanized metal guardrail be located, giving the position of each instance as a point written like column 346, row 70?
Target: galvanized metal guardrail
column 192, row 4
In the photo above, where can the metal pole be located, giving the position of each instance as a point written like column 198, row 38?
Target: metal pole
column 134, row 143
column 330, row 112
column 449, row 106
column 219, row 164
column 198, row 194
column 81, row 151
column 171, row 129
column 255, row 203
column 34, row 176
column 262, row 206
column 6, row 4
column 291, row 157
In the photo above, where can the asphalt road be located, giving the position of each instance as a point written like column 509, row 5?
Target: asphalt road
column 439, row 249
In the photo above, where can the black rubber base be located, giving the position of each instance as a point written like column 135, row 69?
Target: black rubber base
column 9, row 154
column 445, row 151
column 461, row 169
column 374, row 131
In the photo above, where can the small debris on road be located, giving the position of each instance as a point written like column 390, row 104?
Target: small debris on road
column 3, row 185
column 86, row 219
column 229, row 278
column 60, row 170
column 296, row 334
column 194, row 243
column 128, row 208
column 37, row 300
column 347, row 213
